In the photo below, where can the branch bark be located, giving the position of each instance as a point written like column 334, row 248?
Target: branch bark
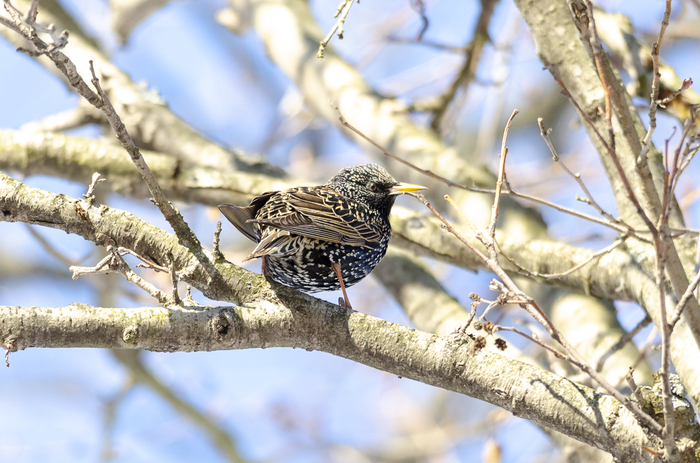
column 453, row 364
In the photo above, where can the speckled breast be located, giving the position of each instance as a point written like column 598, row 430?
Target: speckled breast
column 307, row 267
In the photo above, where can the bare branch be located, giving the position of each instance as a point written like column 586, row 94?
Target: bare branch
column 90, row 195
column 114, row 262
column 555, row 276
column 499, row 186
column 656, row 76
column 508, row 192
column 577, row 177
column 621, row 343
column 173, row 280
column 446, row 363
column 342, row 11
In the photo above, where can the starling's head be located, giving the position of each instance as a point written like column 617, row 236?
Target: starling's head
column 371, row 185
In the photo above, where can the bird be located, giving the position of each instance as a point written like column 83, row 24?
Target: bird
column 326, row 237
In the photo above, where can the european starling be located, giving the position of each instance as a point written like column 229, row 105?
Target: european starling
column 322, row 238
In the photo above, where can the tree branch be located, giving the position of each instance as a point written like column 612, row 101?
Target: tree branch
column 522, row 389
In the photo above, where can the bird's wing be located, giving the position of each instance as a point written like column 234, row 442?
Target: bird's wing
column 325, row 215
column 239, row 216
column 273, row 242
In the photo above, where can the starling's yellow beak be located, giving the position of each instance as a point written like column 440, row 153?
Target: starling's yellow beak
column 401, row 188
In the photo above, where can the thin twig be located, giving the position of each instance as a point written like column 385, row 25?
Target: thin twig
column 419, row 7
column 114, row 262
column 535, row 340
column 216, row 252
column 173, row 279
column 611, row 151
column 499, row 182
column 462, row 329
column 598, row 54
column 555, row 276
column 633, row 385
column 606, row 250
column 577, row 177
column 9, row 345
column 687, row 156
column 627, row 337
column 685, row 85
column 449, row 226
column 656, row 77
column 683, row 301
column 624, row 228
column 681, row 154
column 101, row 267
column 148, row 264
column 131, row 276
column 30, row 17
column 344, row 8
column 427, row 43
column 90, row 195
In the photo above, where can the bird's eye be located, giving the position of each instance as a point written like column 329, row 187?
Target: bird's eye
column 372, row 186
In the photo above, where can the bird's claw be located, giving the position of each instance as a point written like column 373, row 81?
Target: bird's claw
column 343, row 303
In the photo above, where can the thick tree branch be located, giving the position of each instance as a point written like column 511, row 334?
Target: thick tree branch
column 525, row 390
column 75, row 159
column 151, row 123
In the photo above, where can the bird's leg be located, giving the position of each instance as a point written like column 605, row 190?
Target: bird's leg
column 342, row 302
column 265, row 268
